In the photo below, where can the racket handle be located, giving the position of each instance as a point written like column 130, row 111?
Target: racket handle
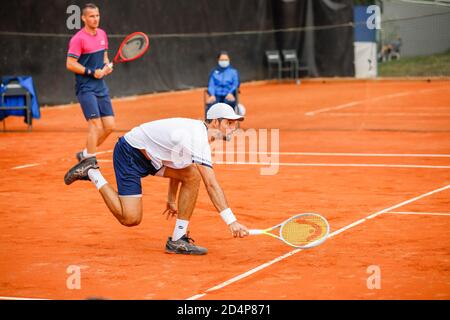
column 254, row 232
column 110, row 65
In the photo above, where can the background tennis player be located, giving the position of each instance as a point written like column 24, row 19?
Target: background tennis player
column 88, row 59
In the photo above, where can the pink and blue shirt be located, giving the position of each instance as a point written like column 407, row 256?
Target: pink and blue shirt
column 90, row 52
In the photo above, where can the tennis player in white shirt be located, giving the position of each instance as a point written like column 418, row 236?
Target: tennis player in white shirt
column 175, row 148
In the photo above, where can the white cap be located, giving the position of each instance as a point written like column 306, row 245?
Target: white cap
column 222, row 110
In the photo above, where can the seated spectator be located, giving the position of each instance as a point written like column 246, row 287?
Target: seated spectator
column 388, row 51
column 223, row 82
column 395, row 45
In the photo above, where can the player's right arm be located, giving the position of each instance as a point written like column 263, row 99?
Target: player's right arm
column 171, row 206
column 218, row 199
column 74, row 66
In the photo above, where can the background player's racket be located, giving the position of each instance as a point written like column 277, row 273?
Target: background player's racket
column 304, row 230
column 131, row 48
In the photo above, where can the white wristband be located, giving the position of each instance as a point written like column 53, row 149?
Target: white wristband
column 228, row 216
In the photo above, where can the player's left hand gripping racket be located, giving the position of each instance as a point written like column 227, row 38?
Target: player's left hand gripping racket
column 303, row 231
column 131, row 48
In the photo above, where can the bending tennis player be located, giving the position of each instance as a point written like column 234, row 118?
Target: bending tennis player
column 177, row 149
column 88, row 59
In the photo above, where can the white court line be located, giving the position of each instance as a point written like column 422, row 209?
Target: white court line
column 17, row 298
column 363, row 165
column 269, row 263
column 40, row 163
column 103, row 152
column 354, row 103
column 299, row 164
column 351, row 104
column 26, row 166
column 388, row 114
column 338, row 107
column 345, row 154
column 337, row 154
column 420, row 213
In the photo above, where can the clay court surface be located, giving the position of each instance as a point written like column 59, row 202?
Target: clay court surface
column 348, row 150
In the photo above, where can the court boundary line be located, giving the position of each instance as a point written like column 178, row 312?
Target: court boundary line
column 320, row 154
column 297, row 164
column 387, row 114
column 419, row 213
column 41, row 163
column 21, row 298
column 26, row 166
column 335, row 233
column 358, row 102
column 346, row 154
column 300, row 164
column 361, row 165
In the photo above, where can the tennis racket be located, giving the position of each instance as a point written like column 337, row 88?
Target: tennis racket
column 131, row 48
column 303, row 231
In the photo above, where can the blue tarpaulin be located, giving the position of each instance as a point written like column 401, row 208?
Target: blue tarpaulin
column 27, row 83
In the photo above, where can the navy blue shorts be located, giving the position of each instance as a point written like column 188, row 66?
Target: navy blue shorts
column 95, row 106
column 130, row 165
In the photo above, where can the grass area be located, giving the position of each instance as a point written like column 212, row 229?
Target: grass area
column 431, row 66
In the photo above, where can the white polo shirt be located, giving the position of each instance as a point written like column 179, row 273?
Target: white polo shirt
column 174, row 142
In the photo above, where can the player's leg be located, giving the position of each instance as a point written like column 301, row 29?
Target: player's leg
column 95, row 131
column 190, row 184
column 127, row 210
column 107, row 117
column 108, row 125
column 100, row 117
column 129, row 167
column 91, row 111
column 98, row 131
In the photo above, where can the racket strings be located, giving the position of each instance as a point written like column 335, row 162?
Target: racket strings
column 134, row 47
column 304, row 230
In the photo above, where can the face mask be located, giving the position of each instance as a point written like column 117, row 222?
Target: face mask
column 224, row 63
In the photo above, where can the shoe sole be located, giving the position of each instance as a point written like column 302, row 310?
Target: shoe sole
column 187, row 253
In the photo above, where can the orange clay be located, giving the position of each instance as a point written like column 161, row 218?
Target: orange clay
column 46, row 226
